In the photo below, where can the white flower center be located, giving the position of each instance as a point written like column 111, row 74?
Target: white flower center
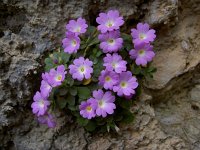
column 78, row 29
column 141, row 52
column 142, row 36
column 101, row 103
column 82, row 69
column 111, row 41
column 114, row 65
column 123, row 84
column 107, row 78
column 74, row 43
column 58, row 77
column 89, row 108
column 109, row 23
column 41, row 103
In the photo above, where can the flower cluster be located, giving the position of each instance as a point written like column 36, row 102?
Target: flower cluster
column 72, row 41
column 143, row 51
column 41, row 103
column 93, row 75
column 100, row 105
column 115, row 77
column 109, row 24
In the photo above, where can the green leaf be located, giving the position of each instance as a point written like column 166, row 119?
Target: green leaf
column 99, row 53
column 95, row 60
column 128, row 117
column 61, row 101
column 91, row 126
column 82, row 121
column 109, row 119
column 126, row 37
column 65, row 57
column 152, row 70
column 136, row 70
column 125, row 103
column 94, row 51
column 94, row 41
column 118, row 117
column 73, row 90
column 124, row 54
column 98, row 67
column 48, row 61
column 128, row 45
column 72, row 107
column 83, row 92
column 139, row 90
column 48, row 64
column 47, row 68
column 90, row 30
column 70, row 99
column 100, row 121
column 83, row 46
column 63, row 91
column 69, row 80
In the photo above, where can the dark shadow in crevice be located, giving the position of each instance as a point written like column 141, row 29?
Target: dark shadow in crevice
column 11, row 18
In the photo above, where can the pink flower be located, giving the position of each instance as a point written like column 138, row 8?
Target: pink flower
column 71, row 43
column 110, row 21
column 81, row 68
column 105, row 103
column 114, row 62
column 45, row 87
column 108, row 79
column 143, row 34
column 87, row 108
column 143, row 53
column 78, row 26
column 126, row 85
column 40, row 104
column 56, row 77
column 110, row 41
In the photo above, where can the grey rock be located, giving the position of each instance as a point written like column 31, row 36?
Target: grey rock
column 166, row 118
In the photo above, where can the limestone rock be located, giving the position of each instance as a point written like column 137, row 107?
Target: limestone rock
column 167, row 114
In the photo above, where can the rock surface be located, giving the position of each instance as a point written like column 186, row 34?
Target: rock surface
column 167, row 117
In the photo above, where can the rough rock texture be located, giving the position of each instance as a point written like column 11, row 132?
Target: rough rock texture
column 168, row 112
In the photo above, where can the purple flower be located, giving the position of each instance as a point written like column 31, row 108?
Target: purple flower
column 126, row 85
column 142, row 54
column 45, row 76
column 105, row 103
column 87, row 108
column 81, row 68
column 45, row 88
column 114, row 62
column 110, row 41
column 78, row 26
column 107, row 79
column 143, row 34
column 71, row 43
column 110, row 21
column 40, row 104
column 47, row 119
column 56, row 77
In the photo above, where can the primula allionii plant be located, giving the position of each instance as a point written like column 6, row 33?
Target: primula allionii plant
column 95, row 77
